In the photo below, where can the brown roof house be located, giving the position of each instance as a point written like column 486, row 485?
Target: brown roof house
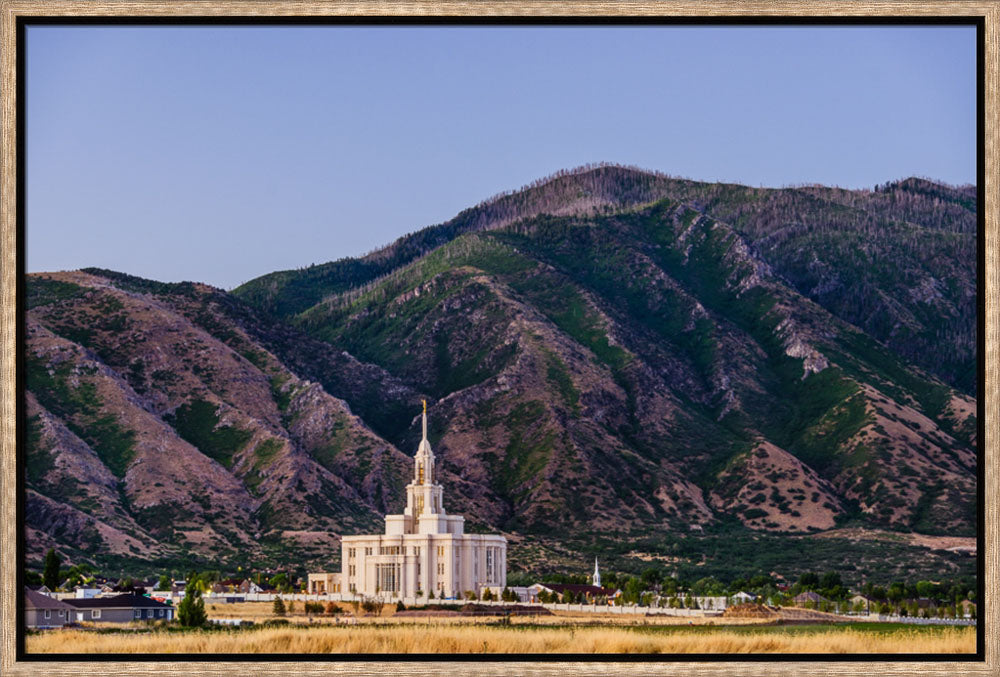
column 806, row 597
column 42, row 611
column 120, row 609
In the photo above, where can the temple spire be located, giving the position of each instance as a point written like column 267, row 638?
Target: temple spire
column 597, row 574
column 424, row 438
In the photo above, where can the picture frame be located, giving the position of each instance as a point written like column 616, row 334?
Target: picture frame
column 15, row 12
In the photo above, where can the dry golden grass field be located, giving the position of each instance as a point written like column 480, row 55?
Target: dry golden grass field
column 552, row 634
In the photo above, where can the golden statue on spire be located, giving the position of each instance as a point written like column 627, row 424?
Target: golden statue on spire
column 425, row 406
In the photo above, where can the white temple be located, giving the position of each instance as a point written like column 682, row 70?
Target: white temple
column 424, row 549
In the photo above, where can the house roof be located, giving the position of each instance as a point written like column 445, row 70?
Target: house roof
column 36, row 600
column 808, row 596
column 127, row 601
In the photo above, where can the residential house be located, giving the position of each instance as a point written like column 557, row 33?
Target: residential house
column 120, row 609
column 42, row 611
column 743, row 597
column 804, row 598
column 249, row 586
column 39, row 588
column 869, row 603
column 226, row 585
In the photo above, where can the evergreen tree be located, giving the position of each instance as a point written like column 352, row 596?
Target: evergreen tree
column 191, row 610
column 278, row 609
column 51, row 572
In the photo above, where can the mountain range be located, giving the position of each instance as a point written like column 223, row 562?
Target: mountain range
column 616, row 362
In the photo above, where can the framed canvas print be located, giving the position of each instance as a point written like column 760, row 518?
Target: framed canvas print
column 527, row 337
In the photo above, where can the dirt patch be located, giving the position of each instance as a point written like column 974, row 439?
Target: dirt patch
column 750, row 610
column 955, row 543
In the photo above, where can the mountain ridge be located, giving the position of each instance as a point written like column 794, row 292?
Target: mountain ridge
column 641, row 367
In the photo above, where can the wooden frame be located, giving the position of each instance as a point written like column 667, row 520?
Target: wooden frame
column 10, row 10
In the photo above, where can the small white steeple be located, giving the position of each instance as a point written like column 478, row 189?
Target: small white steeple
column 597, row 574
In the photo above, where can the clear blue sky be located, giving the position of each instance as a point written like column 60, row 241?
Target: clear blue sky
column 218, row 154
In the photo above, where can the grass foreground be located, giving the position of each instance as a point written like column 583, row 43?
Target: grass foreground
column 518, row 638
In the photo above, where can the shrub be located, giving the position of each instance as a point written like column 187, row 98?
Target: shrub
column 372, row 606
column 332, row 609
column 278, row 608
column 191, row 610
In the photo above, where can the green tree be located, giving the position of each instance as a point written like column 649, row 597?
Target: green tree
column 163, row 583
column 280, row 582
column 668, row 586
column 278, row 608
column 830, row 580
column 633, row 588
column 896, row 592
column 51, row 572
column 809, row 580
column 191, row 610
column 651, row 577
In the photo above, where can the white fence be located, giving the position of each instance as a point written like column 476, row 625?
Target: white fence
column 225, row 597
column 221, row 598
column 923, row 621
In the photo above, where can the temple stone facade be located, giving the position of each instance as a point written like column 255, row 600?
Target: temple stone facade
column 424, row 549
